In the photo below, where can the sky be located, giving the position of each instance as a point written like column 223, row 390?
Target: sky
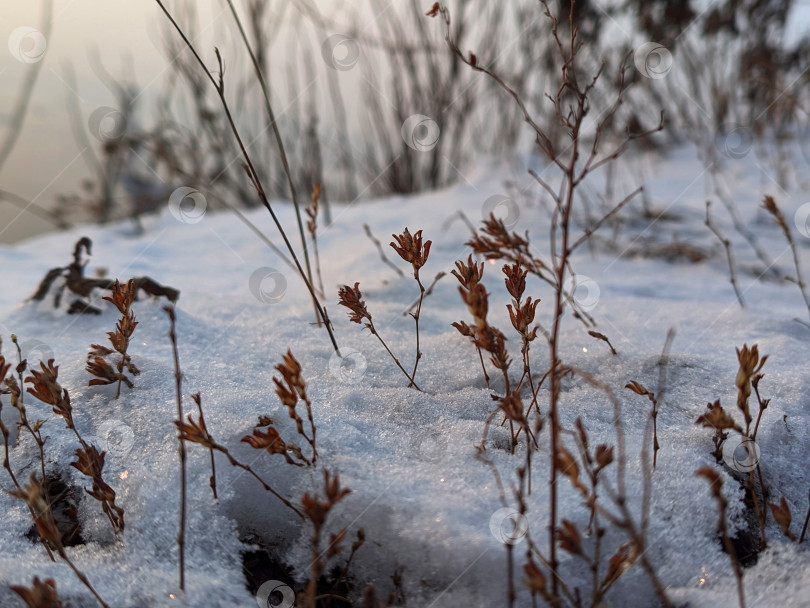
column 127, row 38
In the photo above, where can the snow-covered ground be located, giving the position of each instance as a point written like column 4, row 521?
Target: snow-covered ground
column 422, row 498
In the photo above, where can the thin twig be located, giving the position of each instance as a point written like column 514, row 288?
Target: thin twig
column 727, row 246
column 284, row 163
column 380, row 249
column 178, row 381
column 251, row 170
column 213, row 479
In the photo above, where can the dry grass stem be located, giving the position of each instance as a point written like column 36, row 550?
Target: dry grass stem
column 381, row 251
column 41, row 594
column 352, row 298
column 716, row 483
column 178, row 385
column 122, row 298
column 212, row 481
column 729, row 257
column 410, row 248
column 33, row 493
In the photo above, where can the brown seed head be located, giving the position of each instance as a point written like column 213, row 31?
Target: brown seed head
column 468, row 273
column 515, row 279
column 42, row 594
column 410, row 248
column 351, row 298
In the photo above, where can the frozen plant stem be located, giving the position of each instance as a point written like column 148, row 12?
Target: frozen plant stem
column 4, row 368
column 722, row 503
column 572, row 101
column 410, row 248
column 18, row 402
column 806, row 521
column 253, row 175
column 178, row 384
column 727, row 246
column 196, row 432
column 380, row 250
column 34, row 496
column 352, row 298
column 312, row 226
column 213, row 479
column 769, row 204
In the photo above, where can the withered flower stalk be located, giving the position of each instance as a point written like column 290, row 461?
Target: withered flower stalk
column 483, row 335
column 521, row 314
column 196, row 432
column 316, row 511
column 91, row 463
column 35, row 497
column 410, row 248
column 11, row 385
column 18, row 402
column 41, row 594
column 312, row 227
column 178, row 385
column 716, row 483
column 640, row 389
column 290, row 388
column 122, row 298
column 47, row 389
column 769, row 204
column 352, row 298
column 212, row 481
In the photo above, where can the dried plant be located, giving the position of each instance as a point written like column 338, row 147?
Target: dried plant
column 410, row 248
column 33, row 493
column 317, row 511
column 573, row 100
column 639, row 389
column 41, row 594
column 8, row 385
column 18, row 403
column 490, row 339
column 290, row 388
column 312, row 228
column 594, row 462
column 781, row 515
column 194, row 431
column 91, row 463
column 79, row 285
column 769, row 204
column 750, row 366
column 352, row 298
column 250, row 169
column 271, row 442
column 381, row 251
column 178, row 385
column 122, row 298
column 726, row 243
column 602, row 337
column 212, row 481
column 748, row 377
column 469, row 274
column 716, row 482
column 484, row 336
column 718, row 419
column 46, row 388
column 521, row 314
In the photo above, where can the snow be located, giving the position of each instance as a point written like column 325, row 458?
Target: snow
column 426, row 504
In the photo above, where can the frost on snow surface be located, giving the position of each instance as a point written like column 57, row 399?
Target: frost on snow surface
column 424, row 501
